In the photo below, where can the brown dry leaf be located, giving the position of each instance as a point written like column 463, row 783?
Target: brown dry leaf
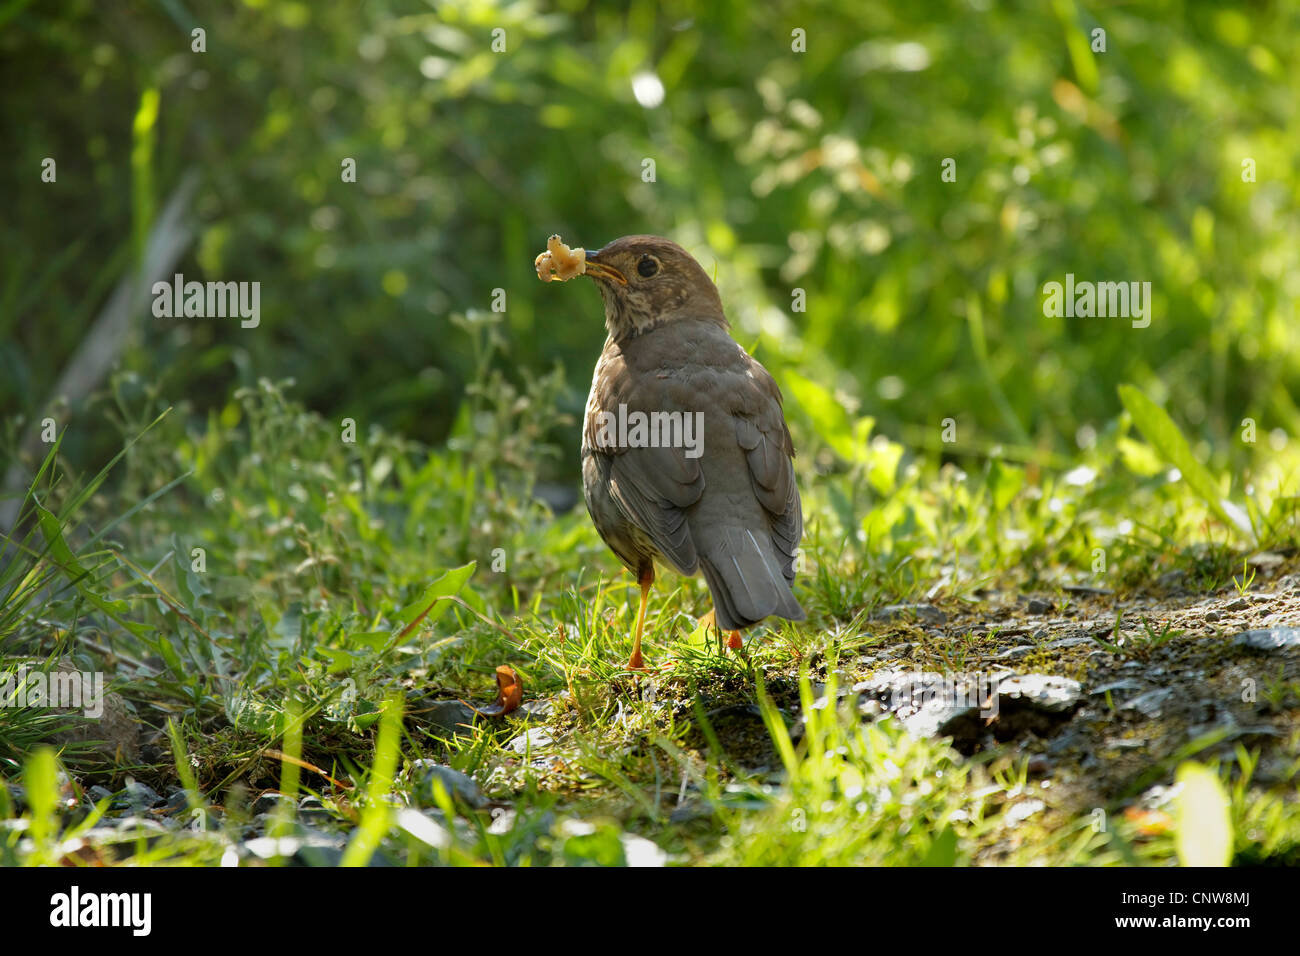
column 280, row 755
column 510, row 693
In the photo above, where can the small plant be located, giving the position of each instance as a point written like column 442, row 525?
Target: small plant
column 1143, row 643
column 1150, row 639
column 1247, row 578
column 1116, row 644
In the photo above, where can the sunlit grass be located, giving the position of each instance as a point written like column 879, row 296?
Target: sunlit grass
column 333, row 585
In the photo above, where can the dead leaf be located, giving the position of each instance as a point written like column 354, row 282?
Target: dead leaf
column 510, row 694
column 279, row 755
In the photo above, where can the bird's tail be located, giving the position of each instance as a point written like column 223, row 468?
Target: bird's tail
column 747, row 580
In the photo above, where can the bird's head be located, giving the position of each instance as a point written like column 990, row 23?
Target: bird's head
column 647, row 281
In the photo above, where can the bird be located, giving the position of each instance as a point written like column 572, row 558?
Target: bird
column 721, row 499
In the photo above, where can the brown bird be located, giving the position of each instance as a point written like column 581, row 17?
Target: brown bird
column 686, row 457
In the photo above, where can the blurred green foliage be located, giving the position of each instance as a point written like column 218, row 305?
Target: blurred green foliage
column 818, row 170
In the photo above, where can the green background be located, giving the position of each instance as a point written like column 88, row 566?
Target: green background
column 779, row 170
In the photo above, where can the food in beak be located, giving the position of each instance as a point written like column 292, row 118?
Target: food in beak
column 559, row 262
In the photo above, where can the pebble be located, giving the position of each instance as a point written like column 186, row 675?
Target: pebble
column 532, row 739
column 1012, row 653
column 267, row 803
column 1046, row 692
column 538, row 708
column 139, row 797
column 1063, row 642
column 449, row 716
column 313, row 810
column 459, row 786
column 177, row 801
column 1150, row 703
column 1270, row 639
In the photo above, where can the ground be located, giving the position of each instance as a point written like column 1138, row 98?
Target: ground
column 997, row 669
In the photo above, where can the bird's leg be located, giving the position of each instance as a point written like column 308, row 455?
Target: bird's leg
column 645, row 579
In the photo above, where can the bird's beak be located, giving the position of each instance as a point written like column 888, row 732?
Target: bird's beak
column 599, row 270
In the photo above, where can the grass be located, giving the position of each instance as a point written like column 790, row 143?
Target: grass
column 285, row 611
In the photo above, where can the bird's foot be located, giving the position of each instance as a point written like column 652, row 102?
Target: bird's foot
column 733, row 637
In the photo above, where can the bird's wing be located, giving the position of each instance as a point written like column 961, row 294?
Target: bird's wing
column 655, row 486
column 652, row 486
column 763, row 434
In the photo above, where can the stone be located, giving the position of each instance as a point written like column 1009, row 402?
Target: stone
column 459, row 786
column 1150, row 703
column 451, row 717
column 1270, row 639
column 534, row 738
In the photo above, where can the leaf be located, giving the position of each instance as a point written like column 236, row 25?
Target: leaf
column 340, row 660
column 943, row 851
column 510, row 693
column 1204, row 826
column 1139, row 457
column 827, row 415
column 377, row 814
column 884, row 456
column 289, row 627
column 843, row 508
column 79, row 577
column 699, row 637
column 431, row 605
column 40, row 777
column 1004, row 483
column 1161, row 431
column 371, row 640
column 171, row 658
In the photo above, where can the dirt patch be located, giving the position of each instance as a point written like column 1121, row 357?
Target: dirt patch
column 1174, row 679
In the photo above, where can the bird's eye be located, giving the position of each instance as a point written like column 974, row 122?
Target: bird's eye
column 647, row 267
